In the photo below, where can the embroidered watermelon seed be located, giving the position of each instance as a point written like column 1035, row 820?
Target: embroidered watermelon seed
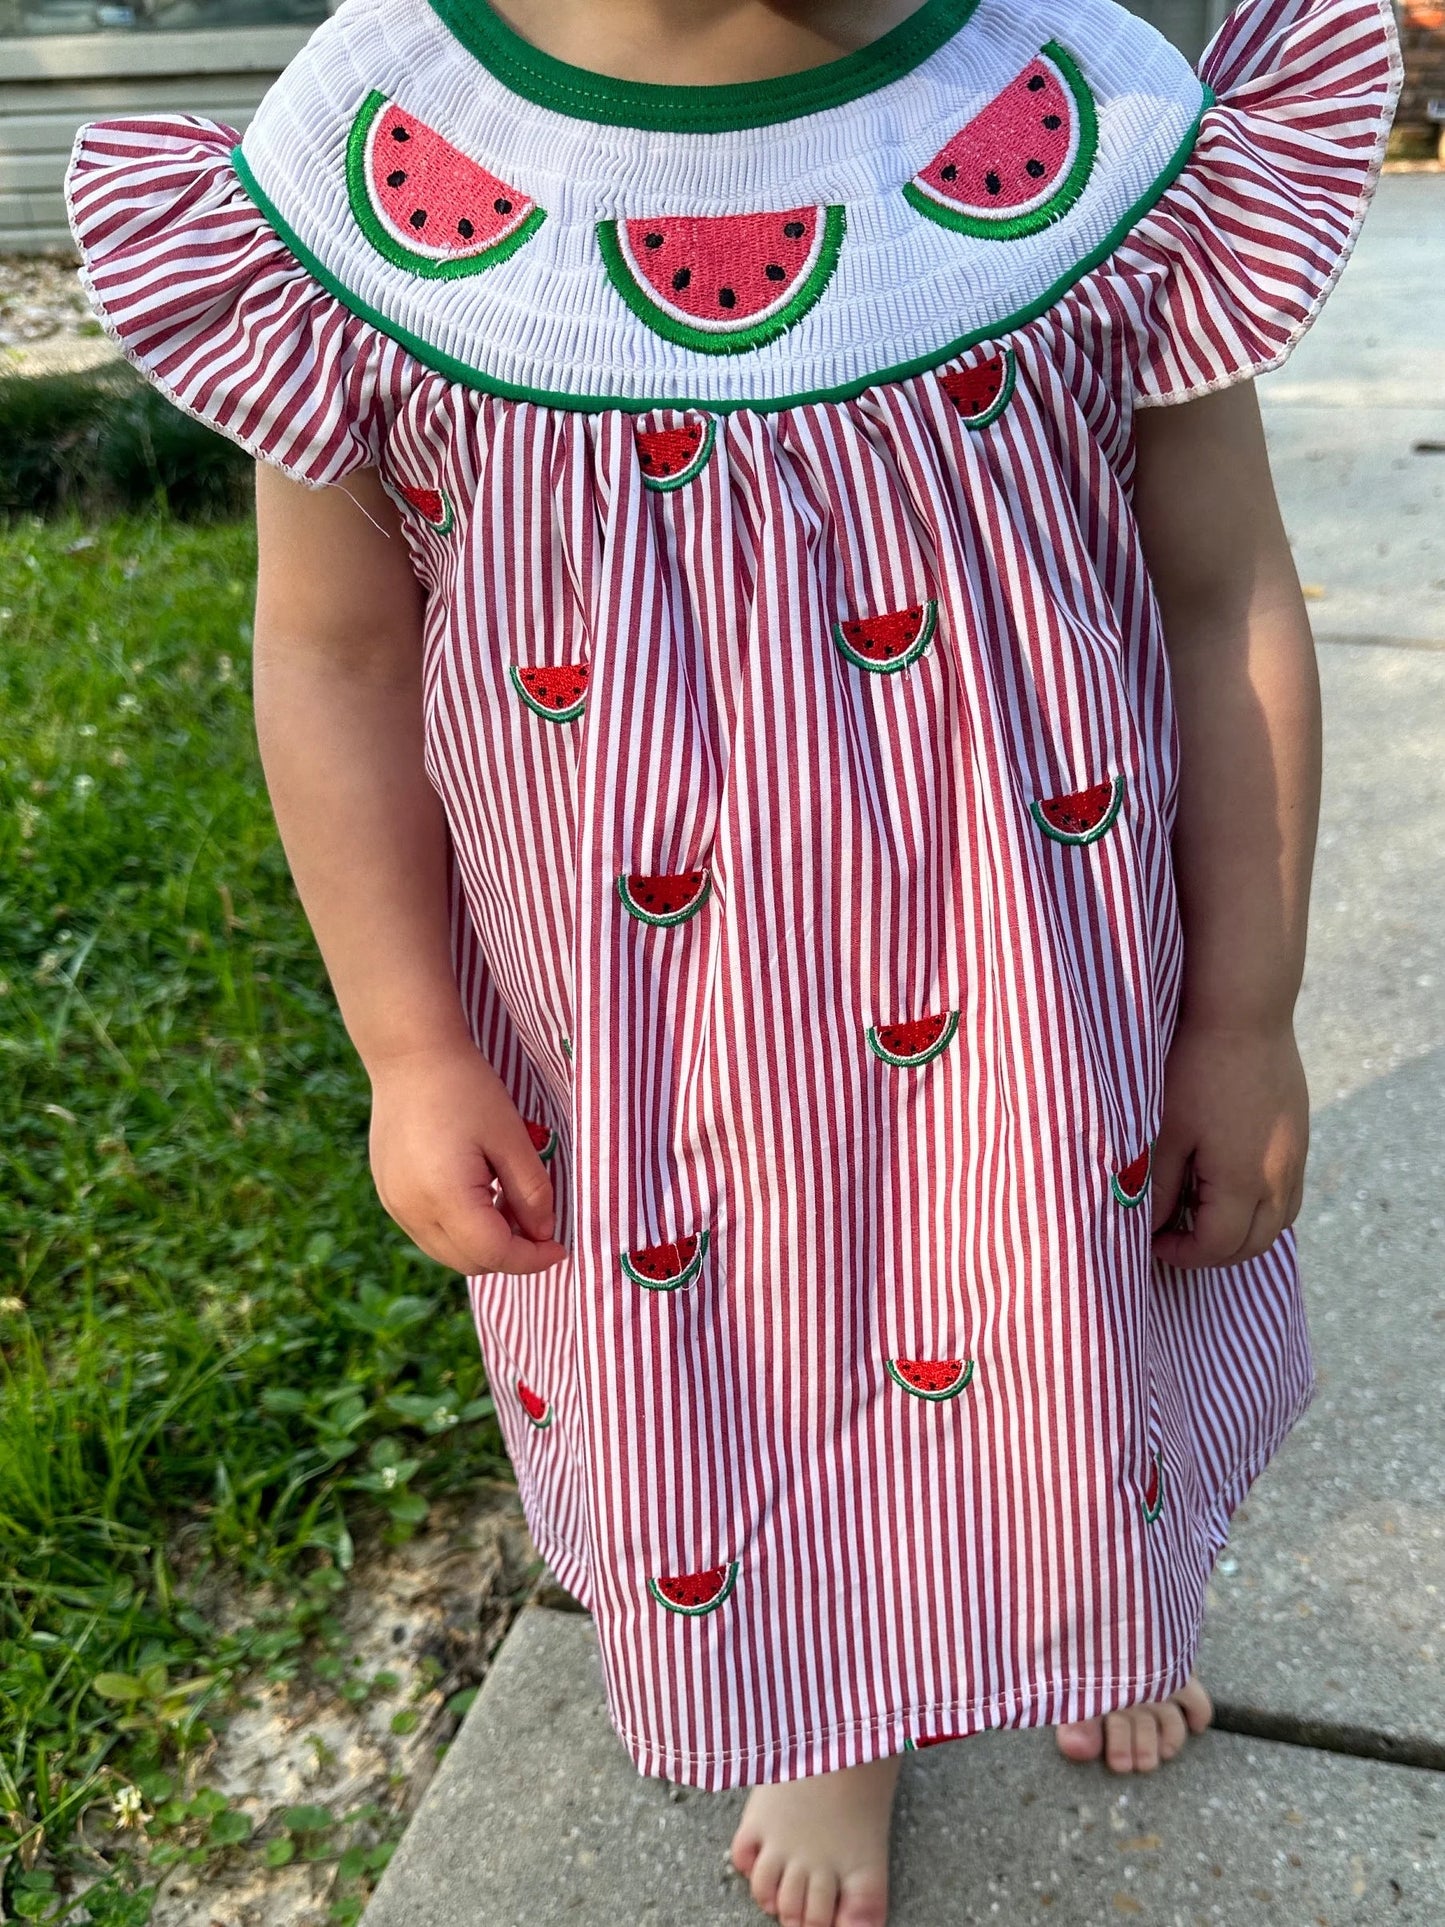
column 1153, row 1498
column 422, row 203
column 1130, row 1184
column 664, row 900
column 888, row 643
column 1083, row 816
column 671, row 457
column 535, row 1406
column 666, row 1267
column 1022, row 161
column 695, row 1593
column 931, row 1378
column 558, row 692
column 915, row 1042
column 981, row 393
column 433, row 505
column 723, row 283
column 544, row 1139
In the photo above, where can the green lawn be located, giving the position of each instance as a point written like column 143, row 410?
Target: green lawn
column 206, row 1321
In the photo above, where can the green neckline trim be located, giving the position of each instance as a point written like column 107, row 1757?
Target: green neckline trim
column 583, row 95
column 463, row 372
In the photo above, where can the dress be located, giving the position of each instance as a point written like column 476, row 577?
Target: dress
column 797, row 697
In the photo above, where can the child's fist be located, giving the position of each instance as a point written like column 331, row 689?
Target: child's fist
column 1229, row 1163
column 454, row 1165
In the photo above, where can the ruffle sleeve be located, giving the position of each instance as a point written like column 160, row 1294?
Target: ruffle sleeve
column 204, row 299
column 1231, row 265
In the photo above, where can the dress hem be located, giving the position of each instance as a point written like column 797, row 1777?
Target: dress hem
column 1043, row 1704
column 857, row 1742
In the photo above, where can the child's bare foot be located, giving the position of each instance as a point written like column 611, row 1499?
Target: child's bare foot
column 1137, row 1738
column 816, row 1850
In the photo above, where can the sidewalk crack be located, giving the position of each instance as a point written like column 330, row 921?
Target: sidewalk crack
column 1331, row 1736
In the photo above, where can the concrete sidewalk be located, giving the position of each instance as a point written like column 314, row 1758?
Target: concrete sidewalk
column 1356, row 422
column 1322, row 1803
column 536, row 1819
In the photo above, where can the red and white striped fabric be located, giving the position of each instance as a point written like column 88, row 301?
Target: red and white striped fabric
column 915, row 1440
column 1225, row 273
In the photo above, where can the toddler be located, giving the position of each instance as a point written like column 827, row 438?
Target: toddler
column 785, row 694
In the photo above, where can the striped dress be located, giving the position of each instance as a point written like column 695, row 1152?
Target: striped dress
column 797, row 697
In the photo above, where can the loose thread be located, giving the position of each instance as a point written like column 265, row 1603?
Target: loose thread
column 365, row 511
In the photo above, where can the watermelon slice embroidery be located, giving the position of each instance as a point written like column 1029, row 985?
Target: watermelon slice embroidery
column 544, row 1139
column 664, row 900
column 433, row 505
column 537, row 1408
column 912, row 1745
column 1130, row 1184
column 886, row 644
column 695, row 1593
column 1152, row 1499
column 916, row 1042
column 1022, row 161
column 982, row 392
column 557, row 691
column 564, row 1044
column 672, row 457
column 422, row 203
column 666, row 1267
column 931, row 1378
column 723, row 283
column 1083, row 816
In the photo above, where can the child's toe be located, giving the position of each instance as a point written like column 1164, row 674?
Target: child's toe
column 1119, row 1743
column 1172, row 1729
column 1081, row 1740
column 1146, row 1739
column 863, row 1902
column 745, row 1850
column 822, row 1906
column 767, row 1878
column 1196, row 1704
column 792, row 1895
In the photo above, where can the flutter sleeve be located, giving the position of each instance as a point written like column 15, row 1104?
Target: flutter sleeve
column 205, row 300
column 1234, row 261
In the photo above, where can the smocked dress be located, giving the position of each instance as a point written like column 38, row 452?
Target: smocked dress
column 797, row 698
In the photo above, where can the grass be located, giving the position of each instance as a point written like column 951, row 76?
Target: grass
column 105, row 441
column 216, row 1352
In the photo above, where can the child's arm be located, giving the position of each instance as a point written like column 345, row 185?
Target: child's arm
column 1247, row 694
column 338, row 656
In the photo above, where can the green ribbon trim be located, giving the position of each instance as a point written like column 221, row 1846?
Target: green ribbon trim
column 470, row 377
column 583, row 95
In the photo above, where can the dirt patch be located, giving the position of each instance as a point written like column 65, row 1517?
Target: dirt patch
column 41, row 296
column 432, row 1613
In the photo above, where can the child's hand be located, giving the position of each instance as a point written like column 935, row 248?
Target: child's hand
column 454, row 1165
column 1231, row 1147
